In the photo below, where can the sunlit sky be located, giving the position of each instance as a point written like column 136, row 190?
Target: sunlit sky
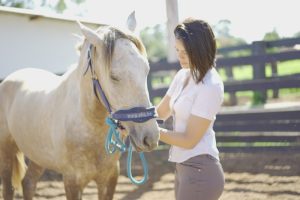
column 250, row 19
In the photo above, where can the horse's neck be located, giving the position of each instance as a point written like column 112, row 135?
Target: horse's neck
column 82, row 98
column 90, row 108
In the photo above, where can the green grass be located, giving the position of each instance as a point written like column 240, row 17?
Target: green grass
column 286, row 68
column 156, row 100
column 242, row 144
column 254, row 144
column 246, row 73
column 161, row 81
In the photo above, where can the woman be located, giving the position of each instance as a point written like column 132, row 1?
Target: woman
column 194, row 98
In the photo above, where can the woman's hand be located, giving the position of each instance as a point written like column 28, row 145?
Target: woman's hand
column 124, row 133
column 196, row 128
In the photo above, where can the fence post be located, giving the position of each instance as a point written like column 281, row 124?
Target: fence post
column 259, row 48
column 232, row 96
column 274, row 74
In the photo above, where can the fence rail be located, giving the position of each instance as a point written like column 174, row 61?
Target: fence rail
column 261, row 120
column 250, row 60
column 256, row 130
column 257, row 60
column 288, row 81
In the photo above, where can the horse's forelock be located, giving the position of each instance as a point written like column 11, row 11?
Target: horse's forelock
column 111, row 35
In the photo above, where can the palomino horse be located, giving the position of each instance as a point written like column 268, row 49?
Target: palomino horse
column 59, row 124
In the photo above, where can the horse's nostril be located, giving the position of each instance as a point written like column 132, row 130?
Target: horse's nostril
column 147, row 142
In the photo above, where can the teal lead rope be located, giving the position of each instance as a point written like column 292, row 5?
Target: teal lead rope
column 113, row 143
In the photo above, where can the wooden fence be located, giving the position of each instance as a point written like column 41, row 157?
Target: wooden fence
column 258, row 130
column 255, row 129
column 258, row 60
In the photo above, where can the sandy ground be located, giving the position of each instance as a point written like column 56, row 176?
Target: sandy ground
column 259, row 176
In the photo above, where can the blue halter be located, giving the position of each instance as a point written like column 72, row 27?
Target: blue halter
column 113, row 139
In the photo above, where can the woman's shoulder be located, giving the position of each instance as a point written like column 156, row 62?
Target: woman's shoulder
column 212, row 84
column 212, row 79
column 181, row 74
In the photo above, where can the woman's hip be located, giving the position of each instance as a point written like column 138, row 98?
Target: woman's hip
column 199, row 176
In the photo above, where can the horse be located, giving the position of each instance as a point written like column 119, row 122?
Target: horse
column 58, row 123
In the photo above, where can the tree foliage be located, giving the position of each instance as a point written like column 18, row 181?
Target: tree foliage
column 16, row 3
column 273, row 35
column 59, row 7
column 224, row 37
column 155, row 41
column 297, row 34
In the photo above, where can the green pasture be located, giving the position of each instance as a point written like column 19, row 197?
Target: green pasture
column 241, row 144
column 246, row 73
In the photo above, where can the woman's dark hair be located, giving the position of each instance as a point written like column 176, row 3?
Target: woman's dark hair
column 200, row 44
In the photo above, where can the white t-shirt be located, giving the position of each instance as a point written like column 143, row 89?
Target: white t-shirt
column 204, row 100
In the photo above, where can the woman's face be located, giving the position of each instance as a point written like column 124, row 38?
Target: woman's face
column 182, row 54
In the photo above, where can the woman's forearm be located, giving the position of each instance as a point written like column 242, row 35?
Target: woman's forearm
column 163, row 109
column 178, row 139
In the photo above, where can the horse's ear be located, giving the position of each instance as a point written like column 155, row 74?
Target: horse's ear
column 89, row 34
column 131, row 22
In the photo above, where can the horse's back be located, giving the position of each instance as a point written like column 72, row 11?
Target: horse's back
column 31, row 79
column 25, row 82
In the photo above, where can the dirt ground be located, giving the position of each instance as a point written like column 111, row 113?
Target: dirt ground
column 249, row 176
column 258, row 176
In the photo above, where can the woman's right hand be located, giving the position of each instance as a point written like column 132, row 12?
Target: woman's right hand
column 123, row 132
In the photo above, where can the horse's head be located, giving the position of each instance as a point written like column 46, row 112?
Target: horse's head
column 120, row 64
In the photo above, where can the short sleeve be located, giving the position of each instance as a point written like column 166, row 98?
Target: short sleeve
column 208, row 101
column 174, row 83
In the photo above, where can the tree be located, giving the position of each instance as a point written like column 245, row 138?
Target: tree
column 273, row 35
column 59, row 7
column 17, row 3
column 155, row 41
column 222, row 28
column 225, row 39
column 297, row 34
column 223, row 35
column 269, row 36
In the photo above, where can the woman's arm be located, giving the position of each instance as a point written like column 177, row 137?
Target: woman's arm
column 163, row 109
column 196, row 128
